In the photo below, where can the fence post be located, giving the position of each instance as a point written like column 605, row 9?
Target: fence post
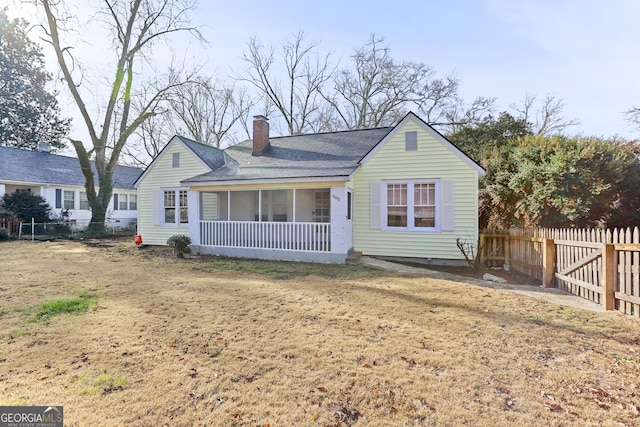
column 548, row 263
column 507, row 249
column 33, row 229
column 608, row 277
column 481, row 251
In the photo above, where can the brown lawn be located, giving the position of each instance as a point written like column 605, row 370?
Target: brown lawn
column 202, row 341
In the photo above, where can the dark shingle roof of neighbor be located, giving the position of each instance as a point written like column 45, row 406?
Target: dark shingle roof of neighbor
column 300, row 156
column 45, row 168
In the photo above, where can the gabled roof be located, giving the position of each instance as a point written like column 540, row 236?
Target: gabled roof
column 330, row 155
column 210, row 156
column 435, row 134
column 36, row 167
column 319, row 155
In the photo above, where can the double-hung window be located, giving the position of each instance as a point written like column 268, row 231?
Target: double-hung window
column 411, row 206
column 69, row 199
column 84, row 201
column 424, row 205
column 175, row 209
column 123, row 202
column 397, row 208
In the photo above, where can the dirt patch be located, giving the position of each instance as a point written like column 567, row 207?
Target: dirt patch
column 207, row 341
column 511, row 276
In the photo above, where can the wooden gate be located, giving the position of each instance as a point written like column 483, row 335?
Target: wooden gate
column 578, row 267
column 600, row 265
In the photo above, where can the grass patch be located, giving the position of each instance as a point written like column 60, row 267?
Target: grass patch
column 15, row 401
column 56, row 307
column 285, row 270
column 220, row 341
column 3, row 312
column 103, row 384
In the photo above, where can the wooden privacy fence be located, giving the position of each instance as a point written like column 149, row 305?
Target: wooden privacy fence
column 600, row 265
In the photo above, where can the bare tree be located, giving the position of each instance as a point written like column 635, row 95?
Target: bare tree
column 461, row 115
column 151, row 137
column 203, row 109
column 136, row 26
column 632, row 116
column 548, row 119
column 379, row 91
column 296, row 97
column 207, row 110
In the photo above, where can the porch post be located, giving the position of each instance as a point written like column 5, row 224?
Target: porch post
column 340, row 232
column 293, row 211
column 193, row 211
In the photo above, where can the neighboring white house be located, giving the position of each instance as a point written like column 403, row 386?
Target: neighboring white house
column 402, row 191
column 59, row 180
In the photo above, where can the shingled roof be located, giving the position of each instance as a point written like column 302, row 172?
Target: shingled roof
column 36, row 167
column 212, row 156
column 320, row 155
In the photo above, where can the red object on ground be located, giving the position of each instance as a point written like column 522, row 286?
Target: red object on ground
column 137, row 239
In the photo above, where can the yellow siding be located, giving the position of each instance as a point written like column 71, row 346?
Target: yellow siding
column 432, row 160
column 163, row 175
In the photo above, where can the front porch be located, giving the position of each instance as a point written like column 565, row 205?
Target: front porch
column 301, row 224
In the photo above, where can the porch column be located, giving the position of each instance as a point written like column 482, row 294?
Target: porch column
column 341, row 233
column 193, row 206
column 3, row 189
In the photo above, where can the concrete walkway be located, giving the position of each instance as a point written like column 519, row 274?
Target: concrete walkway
column 553, row 295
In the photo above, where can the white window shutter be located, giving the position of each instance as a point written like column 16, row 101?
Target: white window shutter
column 157, row 206
column 447, row 219
column 375, row 213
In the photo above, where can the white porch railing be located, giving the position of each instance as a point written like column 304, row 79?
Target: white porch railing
column 289, row 236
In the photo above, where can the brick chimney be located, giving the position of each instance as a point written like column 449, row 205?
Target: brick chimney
column 260, row 135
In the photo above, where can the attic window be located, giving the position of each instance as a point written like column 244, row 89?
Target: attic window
column 176, row 160
column 411, row 141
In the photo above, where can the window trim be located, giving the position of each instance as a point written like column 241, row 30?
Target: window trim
column 117, row 199
column 410, row 227
column 177, row 207
column 126, row 201
column 65, row 200
column 81, row 201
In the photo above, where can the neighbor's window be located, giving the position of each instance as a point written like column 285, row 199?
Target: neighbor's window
column 133, row 202
column 123, row 202
column 396, row 205
column 84, row 201
column 69, row 199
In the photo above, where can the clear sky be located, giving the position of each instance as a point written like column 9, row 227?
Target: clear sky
column 586, row 51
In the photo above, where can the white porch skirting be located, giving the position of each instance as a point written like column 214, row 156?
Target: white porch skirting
column 298, row 241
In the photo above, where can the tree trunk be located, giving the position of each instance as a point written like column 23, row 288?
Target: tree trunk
column 100, row 205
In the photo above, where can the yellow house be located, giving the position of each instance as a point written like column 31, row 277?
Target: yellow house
column 402, row 191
